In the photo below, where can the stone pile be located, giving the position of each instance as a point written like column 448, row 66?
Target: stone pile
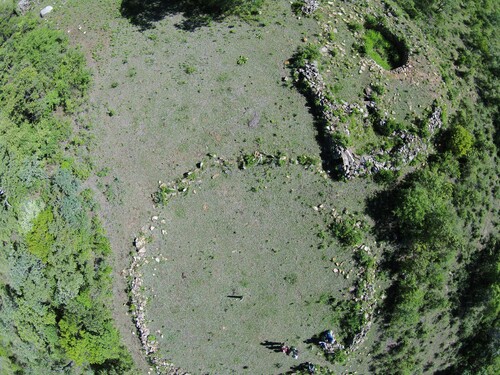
column 23, row 6
column 310, row 6
column 435, row 122
column 138, row 302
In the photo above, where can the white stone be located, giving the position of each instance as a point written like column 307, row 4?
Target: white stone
column 45, row 11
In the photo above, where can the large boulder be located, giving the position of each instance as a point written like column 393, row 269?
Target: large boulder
column 46, row 11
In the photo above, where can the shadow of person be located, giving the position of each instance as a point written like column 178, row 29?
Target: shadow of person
column 275, row 346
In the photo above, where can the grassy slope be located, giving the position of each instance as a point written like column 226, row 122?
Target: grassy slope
column 153, row 66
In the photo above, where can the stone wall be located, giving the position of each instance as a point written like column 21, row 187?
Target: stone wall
column 348, row 162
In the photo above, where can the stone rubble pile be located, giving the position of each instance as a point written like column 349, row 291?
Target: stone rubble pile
column 435, row 122
column 137, row 299
column 310, row 6
column 412, row 147
column 366, row 282
column 403, row 69
column 310, row 75
column 350, row 164
column 23, row 6
column 138, row 302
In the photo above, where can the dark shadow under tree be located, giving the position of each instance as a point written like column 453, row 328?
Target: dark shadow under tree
column 197, row 13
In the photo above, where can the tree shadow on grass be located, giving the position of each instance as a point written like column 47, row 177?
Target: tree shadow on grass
column 380, row 207
column 145, row 13
column 197, row 13
column 329, row 158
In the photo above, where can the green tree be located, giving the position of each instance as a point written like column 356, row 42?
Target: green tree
column 460, row 141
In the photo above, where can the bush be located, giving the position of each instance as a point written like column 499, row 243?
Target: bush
column 347, row 231
column 341, row 139
column 387, row 127
column 460, row 141
column 386, row 177
column 309, row 52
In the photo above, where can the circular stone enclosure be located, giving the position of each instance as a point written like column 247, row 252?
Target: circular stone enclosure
column 240, row 262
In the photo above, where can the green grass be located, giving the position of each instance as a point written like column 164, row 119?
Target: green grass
column 379, row 48
column 260, row 244
column 167, row 114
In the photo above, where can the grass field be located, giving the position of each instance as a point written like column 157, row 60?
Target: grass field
column 246, row 247
column 163, row 98
column 253, row 233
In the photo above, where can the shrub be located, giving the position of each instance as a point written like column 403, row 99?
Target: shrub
column 242, row 60
column 341, row 139
column 460, row 141
column 387, row 127
column 309, row 52
column 307, row 160
column 347, row 232
column 386, row 177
